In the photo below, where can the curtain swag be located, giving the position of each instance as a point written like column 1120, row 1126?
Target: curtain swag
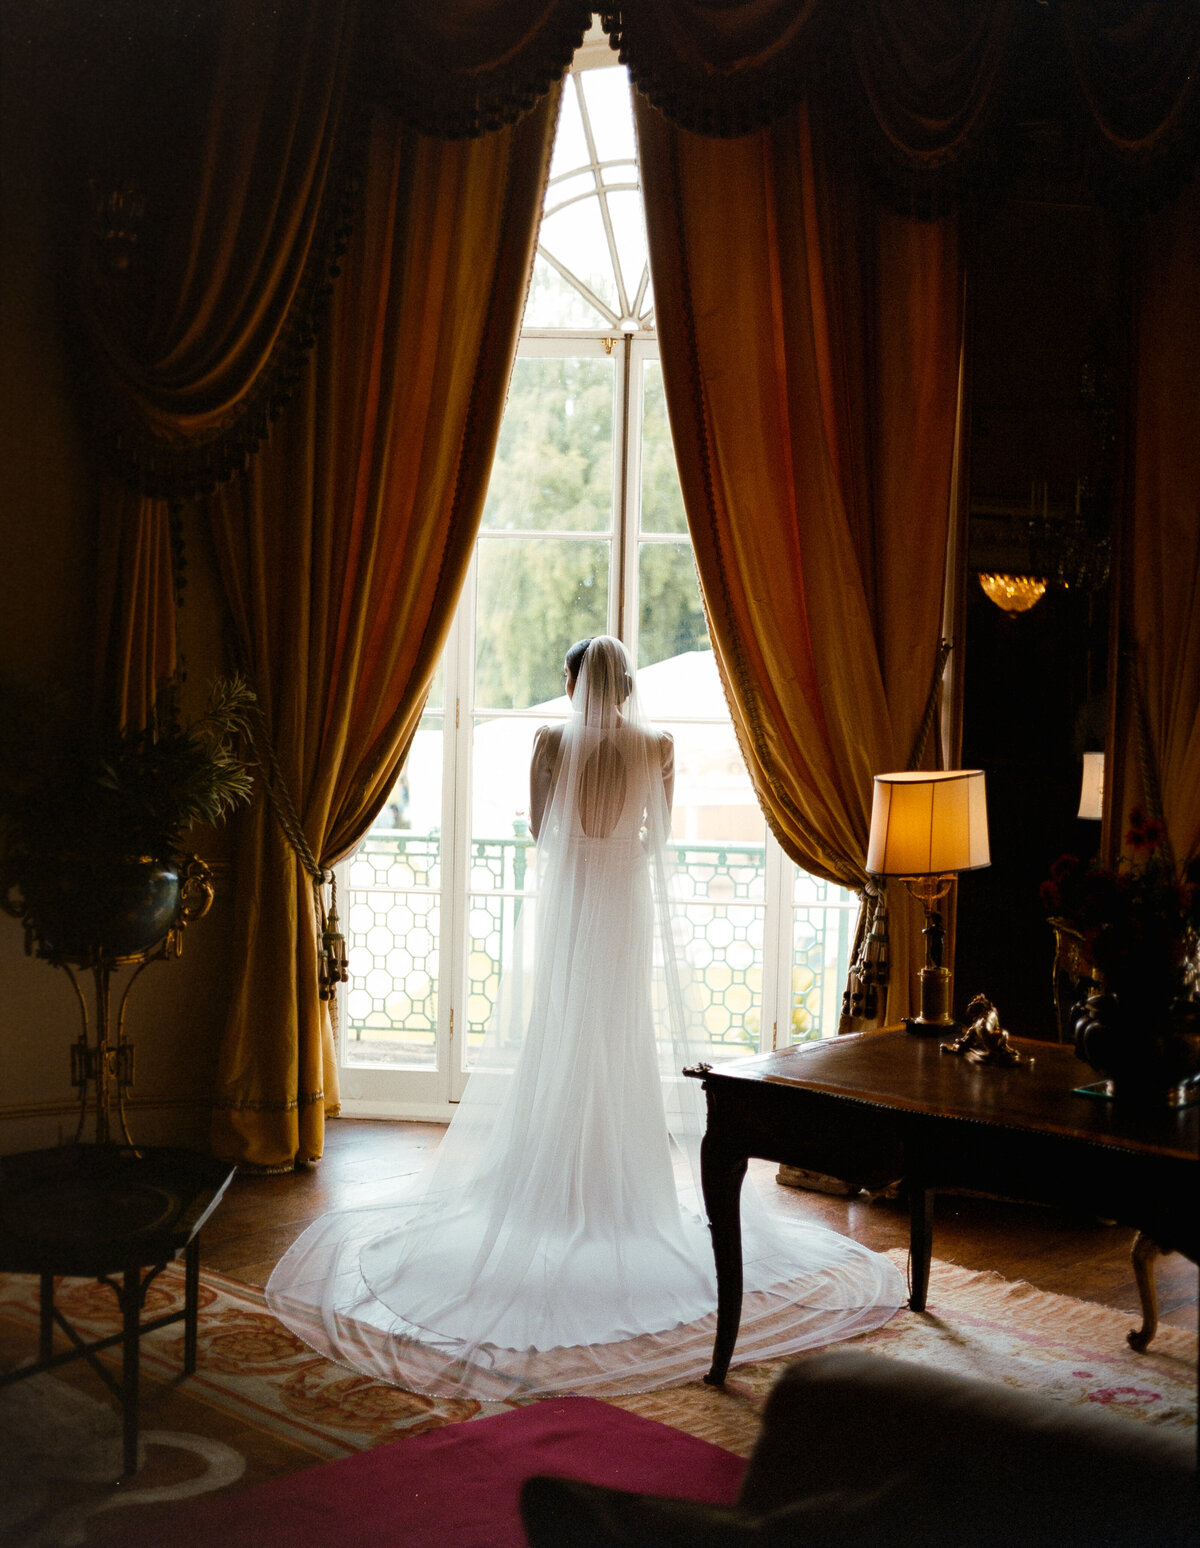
column 199, row 321
column 1138, row 71
column 933, row 91
column 458, row 72
column 727, row 69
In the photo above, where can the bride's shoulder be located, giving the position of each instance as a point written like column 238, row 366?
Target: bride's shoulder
column 653, row 737
column 547, row 740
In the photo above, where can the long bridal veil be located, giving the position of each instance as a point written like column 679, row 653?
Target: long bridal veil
column 556, row 1242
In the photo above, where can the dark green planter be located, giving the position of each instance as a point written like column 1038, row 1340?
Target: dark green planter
column 80, row 910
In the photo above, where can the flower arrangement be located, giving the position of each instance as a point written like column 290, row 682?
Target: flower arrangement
column 65, row 789
column 1139, row 922
column 92, row 824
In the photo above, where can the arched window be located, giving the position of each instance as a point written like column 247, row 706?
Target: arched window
column 583, row 533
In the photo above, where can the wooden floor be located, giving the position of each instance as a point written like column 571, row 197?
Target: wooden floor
column 260, row 1216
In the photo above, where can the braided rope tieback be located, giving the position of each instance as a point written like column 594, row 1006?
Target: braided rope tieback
column 332, row 957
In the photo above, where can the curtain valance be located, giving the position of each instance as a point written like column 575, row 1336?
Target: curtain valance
column 205, row 279
column 1138, row 68
column 925, row 81
column 932, row 88
column 463, row 68
column 722, row 67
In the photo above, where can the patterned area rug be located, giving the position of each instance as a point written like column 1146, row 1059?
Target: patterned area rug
column 980, row 1325
column 262, row 1404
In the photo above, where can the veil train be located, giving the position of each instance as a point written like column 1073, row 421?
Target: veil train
column 556, row 1242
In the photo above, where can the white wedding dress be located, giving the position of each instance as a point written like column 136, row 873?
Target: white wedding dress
column 549, row 1245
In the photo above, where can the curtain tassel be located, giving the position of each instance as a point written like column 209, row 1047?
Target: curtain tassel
column 870, row 969
column 333, row 967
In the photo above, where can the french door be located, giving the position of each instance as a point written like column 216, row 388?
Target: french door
column 583, row 533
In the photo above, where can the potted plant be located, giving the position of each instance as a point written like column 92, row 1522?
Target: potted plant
column 92, row 826
column 1137, row 927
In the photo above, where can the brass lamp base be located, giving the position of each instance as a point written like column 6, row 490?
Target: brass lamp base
column 937, row 988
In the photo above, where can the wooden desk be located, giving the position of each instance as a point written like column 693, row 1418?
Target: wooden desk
column 97, row 1211
column 876, row 1107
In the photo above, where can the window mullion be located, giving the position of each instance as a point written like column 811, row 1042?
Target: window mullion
column 776, row 1030
column 636, row 353
column 456, row 879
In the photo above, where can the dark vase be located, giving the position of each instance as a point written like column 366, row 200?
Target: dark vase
column 1148, row 1053
column 80, row 909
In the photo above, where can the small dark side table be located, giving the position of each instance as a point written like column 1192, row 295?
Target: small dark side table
column 101, row 1211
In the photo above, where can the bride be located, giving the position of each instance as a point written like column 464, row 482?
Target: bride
column 550, row 1245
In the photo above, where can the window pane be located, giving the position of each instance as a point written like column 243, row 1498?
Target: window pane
column 714, row 799
column 718, row 924
column 670, row 615
column 555, row 303
column 662, row 498
column 393, row 919
column 629, row 232
column 823, row 920
column 553, row 467
column 535, row 598
column 500, row 790
column 577, row 238
column 570, row 145
column 502, row 866
column 610, row 111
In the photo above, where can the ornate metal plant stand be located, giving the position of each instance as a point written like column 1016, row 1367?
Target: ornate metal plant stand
column 102, row 1068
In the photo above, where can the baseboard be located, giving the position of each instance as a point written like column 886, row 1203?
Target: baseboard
column 416, row 1112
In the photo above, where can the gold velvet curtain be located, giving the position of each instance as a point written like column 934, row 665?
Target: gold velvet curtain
column 811, row 347
column 215, row 233
column 136, row 602
column 810, row 342
column 342, row 552
column 1160, row 570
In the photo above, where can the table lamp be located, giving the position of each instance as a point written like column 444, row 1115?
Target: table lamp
column 1091, row 792
column 925, row 828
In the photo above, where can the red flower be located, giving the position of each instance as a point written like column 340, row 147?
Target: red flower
column 1144, row 832
column 1139, row 920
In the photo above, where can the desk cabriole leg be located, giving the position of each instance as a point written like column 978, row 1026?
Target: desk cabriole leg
column 131, row 1307
column 46, row 1319
column 721, row 1175
column 920, row 1207
column 191, row 1303
column 1144, row 1253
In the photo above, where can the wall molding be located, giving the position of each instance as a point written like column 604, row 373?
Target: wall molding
column 18, row 1111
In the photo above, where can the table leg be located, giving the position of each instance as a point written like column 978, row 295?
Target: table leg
column 721, row 1175
column 191, row 1303
column 1144, row 1254
column 46, row 1327
column 131, row 1307
column 920, row 1209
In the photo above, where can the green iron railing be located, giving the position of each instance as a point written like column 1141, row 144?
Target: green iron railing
column 393, row 917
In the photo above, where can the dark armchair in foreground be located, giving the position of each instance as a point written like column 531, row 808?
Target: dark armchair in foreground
column 866, row 1452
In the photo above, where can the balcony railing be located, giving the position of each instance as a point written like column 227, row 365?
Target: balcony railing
column 393, row 924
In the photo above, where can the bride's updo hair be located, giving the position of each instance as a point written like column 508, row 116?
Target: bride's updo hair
column 574, row 659
column 608, row 677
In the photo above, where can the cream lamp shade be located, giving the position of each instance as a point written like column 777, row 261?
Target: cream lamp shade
column 1091, row 794
column 928, row 824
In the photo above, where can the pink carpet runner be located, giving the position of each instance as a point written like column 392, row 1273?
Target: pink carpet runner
column 455, row 1487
